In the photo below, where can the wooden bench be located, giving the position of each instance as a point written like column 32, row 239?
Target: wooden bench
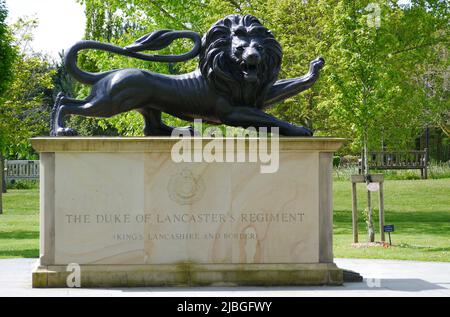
column 21, row 169
column 397, row 160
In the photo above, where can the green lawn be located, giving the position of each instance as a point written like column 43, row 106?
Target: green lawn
column 19, row 224
column 419, row 209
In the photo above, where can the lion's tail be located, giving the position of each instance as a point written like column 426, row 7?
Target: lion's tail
column 153, row 41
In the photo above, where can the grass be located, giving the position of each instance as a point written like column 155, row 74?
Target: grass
column 419, row 209
column 19, row 224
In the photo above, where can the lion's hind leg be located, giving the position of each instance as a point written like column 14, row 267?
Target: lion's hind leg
column 57, row 128
column 66, row 106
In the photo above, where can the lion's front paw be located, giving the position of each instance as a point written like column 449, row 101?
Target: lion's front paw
column 317, row 64
column 305, row 132
column 65, row 132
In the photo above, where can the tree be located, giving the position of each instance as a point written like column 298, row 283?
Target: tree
column 373, row 83
column 7, row 52
column 26, row 108
column 7, row 56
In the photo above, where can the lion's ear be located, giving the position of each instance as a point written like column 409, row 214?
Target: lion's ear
column 154, row 41
column 228, row 22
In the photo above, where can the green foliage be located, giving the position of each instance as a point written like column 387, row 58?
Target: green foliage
column 7, row 56
column 336, row 161
column 376, row 70
column 7, row 52
column 26, row 107
column 22, row 184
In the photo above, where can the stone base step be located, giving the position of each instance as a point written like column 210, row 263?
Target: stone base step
column 187, row 274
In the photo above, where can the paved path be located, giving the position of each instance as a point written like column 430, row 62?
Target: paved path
column 381, row 278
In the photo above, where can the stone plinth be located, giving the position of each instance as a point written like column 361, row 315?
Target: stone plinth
column 129, row 215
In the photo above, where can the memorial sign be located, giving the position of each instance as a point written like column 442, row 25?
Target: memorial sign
column 123, row 204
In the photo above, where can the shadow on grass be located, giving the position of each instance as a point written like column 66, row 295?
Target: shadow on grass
column 27, row 253
column 18, row 234
column 423, row 248
column 433, row 223
column 413, row 216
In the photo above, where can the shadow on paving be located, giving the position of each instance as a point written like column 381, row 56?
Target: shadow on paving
column 403, row 284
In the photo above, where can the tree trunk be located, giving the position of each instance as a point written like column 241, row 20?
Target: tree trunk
column 2, row 174
column 370, row 227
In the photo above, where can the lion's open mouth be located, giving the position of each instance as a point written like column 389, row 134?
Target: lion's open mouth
column 250, row 72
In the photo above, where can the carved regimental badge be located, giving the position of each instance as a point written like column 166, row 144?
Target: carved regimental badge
column 185, row 188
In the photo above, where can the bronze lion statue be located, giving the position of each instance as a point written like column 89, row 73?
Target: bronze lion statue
column 239, row 62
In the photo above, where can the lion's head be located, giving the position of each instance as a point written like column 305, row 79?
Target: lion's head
column 240, row 59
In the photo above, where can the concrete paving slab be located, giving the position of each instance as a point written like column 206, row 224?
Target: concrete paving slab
column 381, row 278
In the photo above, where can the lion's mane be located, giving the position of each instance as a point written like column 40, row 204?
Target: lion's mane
column 222, row 73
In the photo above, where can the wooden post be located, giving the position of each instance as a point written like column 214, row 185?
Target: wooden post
column 376, row 178
column 354, row 214
column 381, row 210
column 371, row 229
